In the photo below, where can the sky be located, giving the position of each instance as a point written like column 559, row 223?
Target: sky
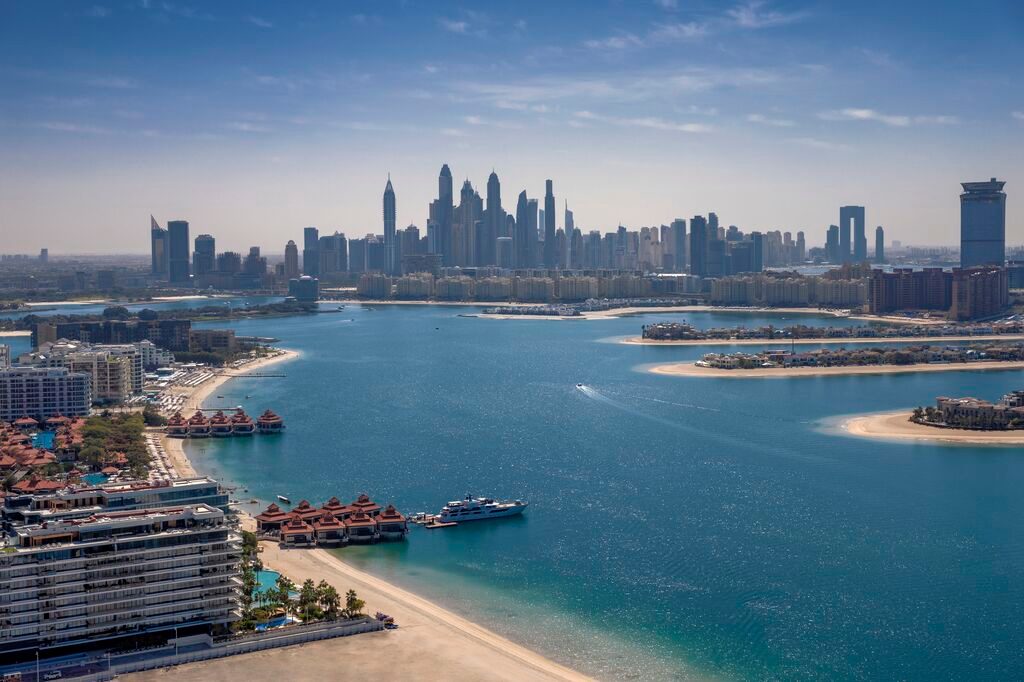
column 254, row 119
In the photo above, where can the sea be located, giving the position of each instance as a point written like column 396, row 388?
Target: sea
column 679, row 527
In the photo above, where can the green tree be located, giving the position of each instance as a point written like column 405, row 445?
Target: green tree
column 353, row 605
column 330, row 600
column 308, row 601
column 283, row 592
column 918, row 413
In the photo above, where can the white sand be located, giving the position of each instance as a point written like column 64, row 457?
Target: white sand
column 897, row 426
column 639, row 341
column 689, row 369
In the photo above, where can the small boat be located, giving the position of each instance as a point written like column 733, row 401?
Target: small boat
column 579, row 385
column 284, row 499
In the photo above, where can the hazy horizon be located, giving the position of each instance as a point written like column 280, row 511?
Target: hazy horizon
column 253, row 120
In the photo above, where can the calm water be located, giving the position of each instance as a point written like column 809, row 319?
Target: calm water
column 678, row 527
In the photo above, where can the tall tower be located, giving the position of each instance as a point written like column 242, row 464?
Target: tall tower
column 204, row 257
column 158, row 247
column 982, row 223
column 390, row 252
column 291, row 260
column 311, row 251
column 698, row 246
column 521, row 242
column 879, row 245
column 570, row 229
column 178, row 252
column 493, row 224
column 550, row 247
column 859, row 252
column 441, row 216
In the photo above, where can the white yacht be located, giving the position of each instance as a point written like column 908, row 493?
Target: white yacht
column 479, row 508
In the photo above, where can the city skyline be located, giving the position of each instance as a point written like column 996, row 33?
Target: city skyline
column 257, row 123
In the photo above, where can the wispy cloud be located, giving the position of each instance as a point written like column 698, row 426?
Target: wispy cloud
column 454, row 26
column 815, row 143
column 1019, row 115
column 765, row 120
column 753, row 14
column 651, row 122
column 259, row 21
column 657, row 34
column 452, row 132
column 616, row 42
column 481, row 121
column 64, row 127
column 112, row 82
column 247, row 127
column 667, row 4
column 894, row 120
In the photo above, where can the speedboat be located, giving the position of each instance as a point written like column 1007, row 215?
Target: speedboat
column 284, row 499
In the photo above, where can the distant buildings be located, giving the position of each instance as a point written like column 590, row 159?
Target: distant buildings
column 964, row 293
column 982, row 223
column 304, row 289
column 178, row 252
column 879, row 245
column 41, row 392
column 310, row 251
column 291, row 260
column 390, row 246
column 852, row 215
column 204, row 258
column 158, row 244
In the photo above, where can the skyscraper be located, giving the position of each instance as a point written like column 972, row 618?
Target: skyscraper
column 757, row 251
column 570, row 227
column 832, row 244
column 204, row 258
column 158, row 248
column 521, row 240
column 441, row 214
column 982, row 223
column 698, row 246
column 879, row 245
column 678, row 232
column 859, row 252
column 550, row 246
column 291, row 260
column 493, row 224
column 311, row 251
column 177, row 252
column 390, row 252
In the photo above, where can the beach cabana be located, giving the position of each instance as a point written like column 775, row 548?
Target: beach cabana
column 362, row 528
column 391, row 525
column 271, row 520
column 330, row 531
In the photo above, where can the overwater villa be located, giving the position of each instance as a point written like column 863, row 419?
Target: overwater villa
column 333, row 524
column 361, row 527
column 269, row 422
column 177, row 426
column 220, row 425
column 242, row 424
column 269, row 522
column 391, row 524
column 26, row 423
column 330, row 531
column 198, row 425
column 297, row 533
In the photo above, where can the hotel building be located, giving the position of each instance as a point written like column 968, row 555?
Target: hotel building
column 117, row 579
column 41, row 392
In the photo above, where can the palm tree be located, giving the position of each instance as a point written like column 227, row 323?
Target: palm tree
column 330, row 601
column 308, row 599
column 283, row 592
column 353, row 605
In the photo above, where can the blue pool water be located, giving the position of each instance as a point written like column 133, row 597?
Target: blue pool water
column 678, row 527
column 95, row 479
column 43, row 439
column 266, row 580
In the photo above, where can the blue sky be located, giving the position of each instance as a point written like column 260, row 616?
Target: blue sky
column 254, row 119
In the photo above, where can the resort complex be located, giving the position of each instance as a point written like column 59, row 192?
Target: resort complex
column 974, row 414
column 220, row 425
column 683, row 331
column 333, row 524
column 864, row 357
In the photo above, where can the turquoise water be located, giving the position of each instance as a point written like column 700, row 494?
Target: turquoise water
column 94, row 479
column 43, row 439
column 678, row 526
column 266, row 580
column 95, row 308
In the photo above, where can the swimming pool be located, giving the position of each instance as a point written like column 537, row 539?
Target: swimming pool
column 43, row 439
column 266, row 580
column 95, row 479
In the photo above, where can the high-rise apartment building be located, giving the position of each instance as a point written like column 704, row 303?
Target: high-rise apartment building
column 41, row 392
column 158, row 245
column 291, row 259
column 310, row 251
column 852, row 217
column 982, row 223
column 550, row 247
column 178, row 252
column 390, row 246
column 698, row 246
column 879, row 245
column 204, row 257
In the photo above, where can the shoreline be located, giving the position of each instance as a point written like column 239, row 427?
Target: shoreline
column 638, row 341
column 15, row 333
column 898, row 427
column 641, row 310
column 433, row 642
column 175, row 447
column 690, row 369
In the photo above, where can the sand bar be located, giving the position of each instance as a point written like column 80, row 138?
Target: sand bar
column 897, row 426
column 16, row 333
column 638, row 341
column 690, row 369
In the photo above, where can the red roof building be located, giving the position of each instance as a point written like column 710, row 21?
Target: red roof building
column 297, row 533
column 271, row 519
column 35, row 484
column 305, row 511
column 330, row 531
column 361, row 527
column 391, row 524
column 365, row 505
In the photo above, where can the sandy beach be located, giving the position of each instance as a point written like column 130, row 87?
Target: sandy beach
column 431, row 643
column 897, row 426
column 174, row 447
column 16, row 333
column 640, row 310
column 689, row 369
column 638, row 341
